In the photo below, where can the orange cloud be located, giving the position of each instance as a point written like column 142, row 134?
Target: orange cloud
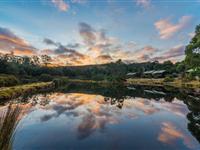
column 104, row 58
column 13, row 40
column 9, row 42
column 24, row 52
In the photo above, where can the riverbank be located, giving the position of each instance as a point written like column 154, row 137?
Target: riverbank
column 7, row 93
column 161, row 82
column 12, row 92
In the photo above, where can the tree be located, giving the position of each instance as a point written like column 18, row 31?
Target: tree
column 45, row 59
column 192, row 51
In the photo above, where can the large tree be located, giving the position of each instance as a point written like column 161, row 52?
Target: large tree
column 192, row 51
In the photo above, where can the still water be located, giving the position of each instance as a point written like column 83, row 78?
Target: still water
column 97, row 117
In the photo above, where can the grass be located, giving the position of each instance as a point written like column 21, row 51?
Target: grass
column 8, row 80
column 84, row 81
column 8, row 123
column 16, row 91
column 91, row 81
column 161, row 82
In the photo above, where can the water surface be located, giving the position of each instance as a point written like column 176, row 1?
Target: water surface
column 96, row 117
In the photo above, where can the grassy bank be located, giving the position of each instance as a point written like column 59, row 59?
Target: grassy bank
column 85, row 81
column 16, row 91
column 8, row 80
column 161, row 82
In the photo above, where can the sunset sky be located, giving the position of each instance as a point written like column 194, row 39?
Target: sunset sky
column 81, row 32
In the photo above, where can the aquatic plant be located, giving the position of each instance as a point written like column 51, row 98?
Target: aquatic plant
column 8, row 123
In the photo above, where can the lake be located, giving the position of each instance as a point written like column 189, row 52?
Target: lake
column 90, row 116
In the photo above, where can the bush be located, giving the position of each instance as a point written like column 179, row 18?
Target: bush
column 60, row 81
column 45, row 78
column 168, row 79
column 8, row 80
column 28, row 79
column 115, row 79
column 194, row 75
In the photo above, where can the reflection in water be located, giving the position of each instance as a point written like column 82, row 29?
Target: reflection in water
column 90, row 107
column 169, row 133
column 91, row 116
column 8, row 122
column 194, row 124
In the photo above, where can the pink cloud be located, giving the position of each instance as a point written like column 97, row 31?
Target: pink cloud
column 167, row 29
column 170, row 134
column 60, row 4
column 172, row 54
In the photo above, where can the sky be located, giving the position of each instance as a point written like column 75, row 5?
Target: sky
column 82, row 32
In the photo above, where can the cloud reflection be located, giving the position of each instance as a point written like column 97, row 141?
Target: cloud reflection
column 91, row 109
column 169, row 134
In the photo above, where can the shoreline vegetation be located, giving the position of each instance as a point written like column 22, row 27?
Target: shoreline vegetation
column 7, row 93
column 194, row 84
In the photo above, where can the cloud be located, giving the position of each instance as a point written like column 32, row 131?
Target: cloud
column 61, row 5
column 169, row 134
column 107, row 49
column 10, row 42
column 172, row 54
column 60, row 49
column 104, row 58
column 87, row 33
column 145, row 53
column 79, row 1
column 68, row 55
column 96, row 48
column 74, row 45
column 100, row 48
column 167, row 29
column 143, row 3
column 96, row 41
column 49, row 42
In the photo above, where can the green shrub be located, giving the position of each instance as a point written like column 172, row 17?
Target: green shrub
column 28, row 79
column 168, row 79
column 8, row 80
column 193, row 75
column 60, row 81
column 115, row 79
column 45, row 78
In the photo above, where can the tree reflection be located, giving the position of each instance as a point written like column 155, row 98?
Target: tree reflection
column 194, row 124
column 8, row 122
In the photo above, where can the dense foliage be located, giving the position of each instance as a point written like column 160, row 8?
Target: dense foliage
column 30, row 71
column 192, row 52
column 8, row 80
column 60, row 81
